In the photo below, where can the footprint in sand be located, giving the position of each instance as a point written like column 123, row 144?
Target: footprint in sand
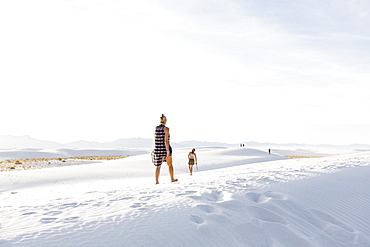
column 275, row 195
column 145, row 198
column 48, row 220
column 334, row 228
column 265, row 197
column 268, row 233
column 214, row 196
column 265, row 215
column 137, row 205
column 196, row 219
column 222, row 218
column 53, row 213
column 206, row 208
column 188, row 192
column 71, row 219
column 202, row 225
column 91, row 192
column 70, row 205
column 253, row 196
column 234, row 205
column 98, row 204
column 239, row 182
column 214, row 213
column 29, row 213
column 121, row 199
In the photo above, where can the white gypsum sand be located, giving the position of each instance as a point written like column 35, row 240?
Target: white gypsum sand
column 239, row 197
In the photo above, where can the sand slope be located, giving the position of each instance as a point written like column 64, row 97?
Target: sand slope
column 230, row 201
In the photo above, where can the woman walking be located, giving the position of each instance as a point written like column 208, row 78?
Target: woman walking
column 192, row 157
column 162, row 150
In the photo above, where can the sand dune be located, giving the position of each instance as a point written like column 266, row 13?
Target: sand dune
column 239, row 197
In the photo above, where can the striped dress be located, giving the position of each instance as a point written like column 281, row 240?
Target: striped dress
column 159, row 153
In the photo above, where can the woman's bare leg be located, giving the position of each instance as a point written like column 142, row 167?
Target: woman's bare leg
column 157, row 172
column 170, row 169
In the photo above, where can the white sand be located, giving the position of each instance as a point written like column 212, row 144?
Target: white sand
column 239, row 197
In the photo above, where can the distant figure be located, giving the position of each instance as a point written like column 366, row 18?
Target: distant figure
column 269, row 151
column 162, row 150
column 192, row 157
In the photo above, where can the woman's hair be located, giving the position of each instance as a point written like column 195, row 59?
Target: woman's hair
column 193, row 150
column 163, row 119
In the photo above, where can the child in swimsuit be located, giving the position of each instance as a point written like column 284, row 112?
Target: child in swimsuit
column 192, row 158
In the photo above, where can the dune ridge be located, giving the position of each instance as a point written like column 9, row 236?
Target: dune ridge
column 230, row 201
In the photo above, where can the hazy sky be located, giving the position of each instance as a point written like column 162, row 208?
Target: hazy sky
column 222, row 70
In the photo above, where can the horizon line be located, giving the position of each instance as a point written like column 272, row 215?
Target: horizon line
column 227, row 143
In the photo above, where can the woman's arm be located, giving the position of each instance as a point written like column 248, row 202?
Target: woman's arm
column 166, row 142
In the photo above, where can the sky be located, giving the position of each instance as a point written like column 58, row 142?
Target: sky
column 223, row 70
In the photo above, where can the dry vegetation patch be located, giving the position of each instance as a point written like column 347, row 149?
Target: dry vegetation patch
column 37, row 163
column 301, row 157
column 99, row 157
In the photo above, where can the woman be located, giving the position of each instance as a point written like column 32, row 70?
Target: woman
column 162, row 150
column 192, row 157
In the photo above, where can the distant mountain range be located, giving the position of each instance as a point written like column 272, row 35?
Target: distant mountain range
column 27, row 142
